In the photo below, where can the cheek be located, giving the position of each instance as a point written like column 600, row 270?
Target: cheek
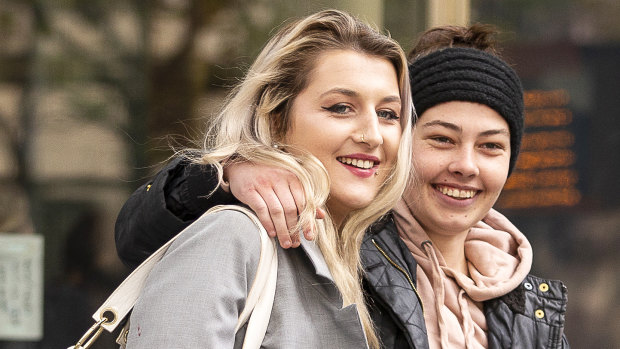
column 391, row 136
column 421, row 177
column 308, row 138
column 302, row 135
column 498, row 183
column 390, row 145
column 425, row 163
column 495, row 176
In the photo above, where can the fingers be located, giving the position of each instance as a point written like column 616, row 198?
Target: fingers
column 274, row 194
column 286, row 212
column 258, row 205
column 320, row 213
column 297, row 193
column 309, row 232
column 278, row 217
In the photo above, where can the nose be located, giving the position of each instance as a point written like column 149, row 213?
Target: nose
column 370, row 129
column 464, row 163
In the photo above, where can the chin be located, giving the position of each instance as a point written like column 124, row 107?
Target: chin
column 360, row 205
column 352, row 205
column 354, row 197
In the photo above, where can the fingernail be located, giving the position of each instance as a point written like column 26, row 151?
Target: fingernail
column 287, row 244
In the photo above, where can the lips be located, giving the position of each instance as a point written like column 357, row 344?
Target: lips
column 359, row 163
column 459, row 194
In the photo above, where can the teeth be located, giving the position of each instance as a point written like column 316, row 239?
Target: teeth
column 365, row 164
column 456, row 193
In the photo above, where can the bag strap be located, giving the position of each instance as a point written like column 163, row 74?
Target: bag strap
column 258, row 303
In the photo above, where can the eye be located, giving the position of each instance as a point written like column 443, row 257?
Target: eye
column 338, row 108
column 388, row 115
column 493, row 146
column 441, row 139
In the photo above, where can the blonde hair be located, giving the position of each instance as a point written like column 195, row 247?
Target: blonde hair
column 256, row 116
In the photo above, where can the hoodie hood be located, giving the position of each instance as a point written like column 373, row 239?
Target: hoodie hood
column 498, row 258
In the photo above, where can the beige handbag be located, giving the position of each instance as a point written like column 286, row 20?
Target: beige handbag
column 258, row 303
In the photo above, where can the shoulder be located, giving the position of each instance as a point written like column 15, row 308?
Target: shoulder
column 548, row 295
column 223, row 234
column 220, row 248
column 231, row 220
column 203, row 281
column 536, row 298
column 535, row 309
column 547, row 287
column 383, row 225
column 381, row 241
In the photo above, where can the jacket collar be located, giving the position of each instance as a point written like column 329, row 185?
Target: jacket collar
column 316, row 257
column 389, row 272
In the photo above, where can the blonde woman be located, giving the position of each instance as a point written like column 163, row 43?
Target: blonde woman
column 328, row 100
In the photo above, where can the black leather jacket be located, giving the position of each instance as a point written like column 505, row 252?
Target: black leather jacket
column 531, row 316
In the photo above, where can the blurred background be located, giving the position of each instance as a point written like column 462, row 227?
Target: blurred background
column 91, row 91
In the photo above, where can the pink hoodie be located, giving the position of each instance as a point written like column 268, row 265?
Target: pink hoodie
column 498, row 257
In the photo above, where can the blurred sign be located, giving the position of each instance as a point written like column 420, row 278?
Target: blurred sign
column 545, row 175
column 21, row 287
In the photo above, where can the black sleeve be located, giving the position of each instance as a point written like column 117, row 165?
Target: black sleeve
column 161, row 208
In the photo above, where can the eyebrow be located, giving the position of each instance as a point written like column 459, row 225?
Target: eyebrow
column 457, row 128
column 391, row 99
column 501, row 131
column 342, row 91
column 351, row 93
column 448, row 125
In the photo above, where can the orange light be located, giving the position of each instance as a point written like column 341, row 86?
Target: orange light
column 545, row 99
column 565, row 178
column 547, row 140
column 530, row 160
column 548, row 117
column 539, row 198
column 544, row 175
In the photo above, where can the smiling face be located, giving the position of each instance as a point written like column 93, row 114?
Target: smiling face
column 349, row 94
column 461, row 153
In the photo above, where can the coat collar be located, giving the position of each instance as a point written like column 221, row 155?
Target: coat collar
column 316, row 257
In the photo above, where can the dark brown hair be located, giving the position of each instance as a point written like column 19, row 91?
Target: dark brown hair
column 479, row 36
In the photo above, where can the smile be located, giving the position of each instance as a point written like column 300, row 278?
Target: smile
column 359, row 163
column 460, row 194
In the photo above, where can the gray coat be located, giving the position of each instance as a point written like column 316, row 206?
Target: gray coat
column 194, row 295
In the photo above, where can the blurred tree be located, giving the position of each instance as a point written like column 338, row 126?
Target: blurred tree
column 176, row 78
column 15, row 123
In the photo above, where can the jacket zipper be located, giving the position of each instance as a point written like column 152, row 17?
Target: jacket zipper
column 399, row 268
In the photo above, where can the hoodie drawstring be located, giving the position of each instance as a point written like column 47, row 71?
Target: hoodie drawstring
column 439, row 293
column 468, row 322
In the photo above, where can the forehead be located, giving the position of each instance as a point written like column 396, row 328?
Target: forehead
column 349, row 67
column 465, row 115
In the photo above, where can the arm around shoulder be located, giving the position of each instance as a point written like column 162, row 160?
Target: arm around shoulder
column 161, row 208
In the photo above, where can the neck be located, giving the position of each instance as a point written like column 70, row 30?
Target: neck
column 337, row 216
column 452, row 248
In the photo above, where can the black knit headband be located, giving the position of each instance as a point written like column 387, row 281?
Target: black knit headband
column 470, row 75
